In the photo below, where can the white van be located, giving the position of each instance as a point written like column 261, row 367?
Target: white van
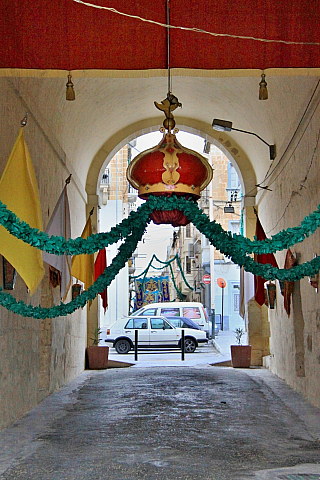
column 193, row 310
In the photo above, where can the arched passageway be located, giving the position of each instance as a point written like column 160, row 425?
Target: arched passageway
column 117, row 76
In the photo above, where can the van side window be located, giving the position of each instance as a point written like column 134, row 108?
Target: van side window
column 149, row 311
column 170, row 312
column 191, row 312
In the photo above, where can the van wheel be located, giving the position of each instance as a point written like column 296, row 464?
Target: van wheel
column 189, row 345
column 122, row 346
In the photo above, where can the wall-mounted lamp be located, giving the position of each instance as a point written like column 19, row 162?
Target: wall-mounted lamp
column 226, row 126
column 228, row 209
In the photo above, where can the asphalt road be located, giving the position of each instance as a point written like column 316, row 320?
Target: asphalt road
column 171, row 423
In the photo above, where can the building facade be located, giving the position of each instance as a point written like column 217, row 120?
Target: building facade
column 202, row 264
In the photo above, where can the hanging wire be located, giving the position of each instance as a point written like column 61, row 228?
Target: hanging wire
column 168, row 46
column 195, row 29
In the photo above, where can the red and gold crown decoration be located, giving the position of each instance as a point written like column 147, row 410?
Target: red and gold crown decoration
column 169, row 169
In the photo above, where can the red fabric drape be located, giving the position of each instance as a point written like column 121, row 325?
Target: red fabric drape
column 99, row 267
column 265, row 258
column 288, row 286
column 63, row 34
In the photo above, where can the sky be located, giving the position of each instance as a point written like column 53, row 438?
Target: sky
column 157, row 238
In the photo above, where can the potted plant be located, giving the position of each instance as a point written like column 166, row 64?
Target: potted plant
column 240, row 354
column 97, row 356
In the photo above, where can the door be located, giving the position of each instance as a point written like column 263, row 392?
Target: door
column 162, row 333
column 142, row 325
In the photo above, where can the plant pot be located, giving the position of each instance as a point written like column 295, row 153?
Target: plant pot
column 241, row 356
column 97, row 357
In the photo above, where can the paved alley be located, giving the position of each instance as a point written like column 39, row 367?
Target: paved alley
column 171, row 423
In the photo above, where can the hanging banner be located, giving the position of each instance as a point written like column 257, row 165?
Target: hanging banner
column 165, row 289
column 152, row 290
column 139, row 295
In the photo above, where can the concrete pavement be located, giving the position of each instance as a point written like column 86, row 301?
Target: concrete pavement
column 216, row 351
column 171, row 422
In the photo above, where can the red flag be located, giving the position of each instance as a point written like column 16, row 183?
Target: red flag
column 263, row 258
column 99, row 267
column 288, row 286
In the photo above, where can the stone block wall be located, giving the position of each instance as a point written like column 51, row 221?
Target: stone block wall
column 37, row 356
column 295, row 338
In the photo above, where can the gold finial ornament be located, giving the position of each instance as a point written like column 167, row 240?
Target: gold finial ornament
column 167, row 106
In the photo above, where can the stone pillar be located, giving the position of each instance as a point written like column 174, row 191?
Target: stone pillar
column 92, row 310
column 257, row 319
column 258, row 331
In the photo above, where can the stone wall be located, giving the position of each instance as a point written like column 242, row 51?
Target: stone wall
column 295, row 339
column 37, row 356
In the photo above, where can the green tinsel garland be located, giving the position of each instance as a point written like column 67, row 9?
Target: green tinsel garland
column 77, row 246
column 224, row 241
column 21, row 308
column 167, row 263
column 234, row 246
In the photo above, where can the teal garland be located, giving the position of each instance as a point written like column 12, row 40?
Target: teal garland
column 154, row 257
column 268, row 272
column 224, row 241
column 61, row 246
column 236, row 247
column 167, row 263
column 125, row 251
column 175, row 285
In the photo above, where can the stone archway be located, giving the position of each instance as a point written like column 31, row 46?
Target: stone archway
column 223, row 141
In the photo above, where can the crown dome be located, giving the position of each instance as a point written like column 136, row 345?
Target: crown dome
column 169, row 168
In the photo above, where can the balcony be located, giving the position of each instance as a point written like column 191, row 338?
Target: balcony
column 132, row 194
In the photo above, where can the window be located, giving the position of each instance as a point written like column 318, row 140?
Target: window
column 234, row 186
column 159, row 323
column 175, row 322
column 191, row 312
column 236, row 301
column 204, row 241
column 188, row 265
column 233, row 179
column 170, row 312
column 149, row 311
column 137, row 323
column 234, row 226
column 188, row 231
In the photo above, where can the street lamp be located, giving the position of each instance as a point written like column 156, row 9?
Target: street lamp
column 226, row 126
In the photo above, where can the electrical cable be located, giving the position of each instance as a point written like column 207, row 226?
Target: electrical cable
column 195, row 29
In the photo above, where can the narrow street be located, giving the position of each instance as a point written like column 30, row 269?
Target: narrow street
column 171, row 423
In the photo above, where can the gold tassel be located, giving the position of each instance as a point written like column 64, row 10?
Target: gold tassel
column 70, row 93
column 263, row 90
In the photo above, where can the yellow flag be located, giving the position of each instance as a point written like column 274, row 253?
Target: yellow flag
column 82, row 266
column 19, row 192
